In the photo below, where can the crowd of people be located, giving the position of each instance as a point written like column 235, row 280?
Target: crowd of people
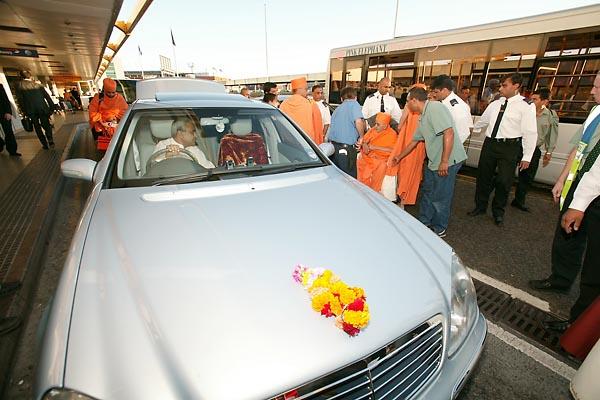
column 400, row 152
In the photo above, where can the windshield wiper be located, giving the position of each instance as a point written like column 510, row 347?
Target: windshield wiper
column 217, row 172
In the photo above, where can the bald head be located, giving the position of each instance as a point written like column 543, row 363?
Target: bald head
column 384, row 86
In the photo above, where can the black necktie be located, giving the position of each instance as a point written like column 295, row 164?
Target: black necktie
column 382, row 106
column 498, row 119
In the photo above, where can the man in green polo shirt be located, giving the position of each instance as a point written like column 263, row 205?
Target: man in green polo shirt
column 445, row 153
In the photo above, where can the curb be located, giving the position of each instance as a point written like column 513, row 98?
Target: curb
column 32, row 257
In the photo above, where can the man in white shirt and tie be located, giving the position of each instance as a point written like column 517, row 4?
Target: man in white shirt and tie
column 381, row 101
column 510, row 120
column 442, row 89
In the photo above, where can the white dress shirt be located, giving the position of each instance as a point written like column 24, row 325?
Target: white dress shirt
column 202, row 160
column 373, row 105
column 461, row 113
column 518, row 121
column 588, row 188
column 325, row 113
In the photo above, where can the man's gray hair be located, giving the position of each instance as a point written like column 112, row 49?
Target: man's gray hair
column 179, row 124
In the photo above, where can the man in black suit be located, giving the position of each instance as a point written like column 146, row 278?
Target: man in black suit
column 36, row 104
column 5, row 120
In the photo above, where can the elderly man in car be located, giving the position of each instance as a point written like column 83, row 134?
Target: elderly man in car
column 183, row 136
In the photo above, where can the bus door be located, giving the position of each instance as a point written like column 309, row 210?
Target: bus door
column 400, row 68
column 353, row 75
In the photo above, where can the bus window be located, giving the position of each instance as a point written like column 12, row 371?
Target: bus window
column 353, row 76
column 568, row 68
column 398, row 67
column 335, row 80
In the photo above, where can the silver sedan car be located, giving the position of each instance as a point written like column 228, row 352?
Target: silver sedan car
column 178, row 282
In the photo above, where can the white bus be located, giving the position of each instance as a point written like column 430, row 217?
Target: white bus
column 559, row 50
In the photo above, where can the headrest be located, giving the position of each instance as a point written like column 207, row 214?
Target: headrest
column 161, row 128
column 241, row 126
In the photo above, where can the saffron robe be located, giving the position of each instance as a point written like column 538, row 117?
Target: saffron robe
column 410, row 169
column 373, row 167
column 305, row 114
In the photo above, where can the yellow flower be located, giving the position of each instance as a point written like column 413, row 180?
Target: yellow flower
column 359, row 319
column 323, row 280
column 320, row 300
column 337, row 287
column 336, row 306
column 347, row 295
column 305, row 278
column 360, row 292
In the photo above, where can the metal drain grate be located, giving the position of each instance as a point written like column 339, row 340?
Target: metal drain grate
column 490, row 300
column 528, row 321
column 519, row 317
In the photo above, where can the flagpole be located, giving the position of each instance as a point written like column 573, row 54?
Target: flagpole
column 174, row 52
column 266, row 43
column 141, row 61
column 396, row 18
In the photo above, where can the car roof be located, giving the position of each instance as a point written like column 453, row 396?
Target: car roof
column 198, row 100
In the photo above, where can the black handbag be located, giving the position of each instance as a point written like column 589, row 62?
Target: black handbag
column 27, row 124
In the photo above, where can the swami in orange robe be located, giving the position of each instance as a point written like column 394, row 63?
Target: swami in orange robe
column 303, row 112
column 110, row 109
column 410, row 169
column 377, row 145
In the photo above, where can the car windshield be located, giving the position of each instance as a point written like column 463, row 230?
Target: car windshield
column 173, row 146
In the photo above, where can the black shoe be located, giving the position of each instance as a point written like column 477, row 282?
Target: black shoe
column 51, row 144
column 548, row 286
column 1, row 148
column 556, row 325
column 499, row 220
column 45, row 146
column 9, row 287
column 519, row 206
column 9, row 324
column 475, row 212
column 15, row 154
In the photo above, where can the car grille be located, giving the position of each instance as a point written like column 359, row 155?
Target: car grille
column 396, row 371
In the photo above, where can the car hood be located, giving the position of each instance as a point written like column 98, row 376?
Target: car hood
column 187, row 291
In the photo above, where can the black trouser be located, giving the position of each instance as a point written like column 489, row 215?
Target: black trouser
column 580, row 248
column 42, row 121
column 9, row 136
column 527, row 175
column 496, row 155
column 345, row 158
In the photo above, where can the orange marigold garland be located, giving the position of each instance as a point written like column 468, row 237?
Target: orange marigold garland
column 331, row 297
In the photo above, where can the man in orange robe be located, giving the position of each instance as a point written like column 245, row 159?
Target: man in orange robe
column 410, row 169
column 106, row 109
column 377, row 145
column 303, row 112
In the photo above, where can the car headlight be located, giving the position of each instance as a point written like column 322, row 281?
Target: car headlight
column 464, row 305
column 65, row 394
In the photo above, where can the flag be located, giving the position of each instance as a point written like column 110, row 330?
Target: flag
column 172, row 38
column 139, row 50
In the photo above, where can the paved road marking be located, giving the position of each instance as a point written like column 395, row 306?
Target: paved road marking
column 532, row 352
column 513, row 291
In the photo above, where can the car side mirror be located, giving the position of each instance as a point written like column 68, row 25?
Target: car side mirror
column 78, row 168
column 327, row 148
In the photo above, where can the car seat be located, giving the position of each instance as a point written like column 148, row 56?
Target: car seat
column 241, row 144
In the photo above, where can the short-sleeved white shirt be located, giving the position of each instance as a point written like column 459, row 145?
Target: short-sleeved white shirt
column 202, row 160
column 461, row 113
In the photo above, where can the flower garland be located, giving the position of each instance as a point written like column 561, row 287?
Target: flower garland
column 333, row 298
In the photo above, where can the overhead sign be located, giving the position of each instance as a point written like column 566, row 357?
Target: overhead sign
column 361, row 51
column 8, row 51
